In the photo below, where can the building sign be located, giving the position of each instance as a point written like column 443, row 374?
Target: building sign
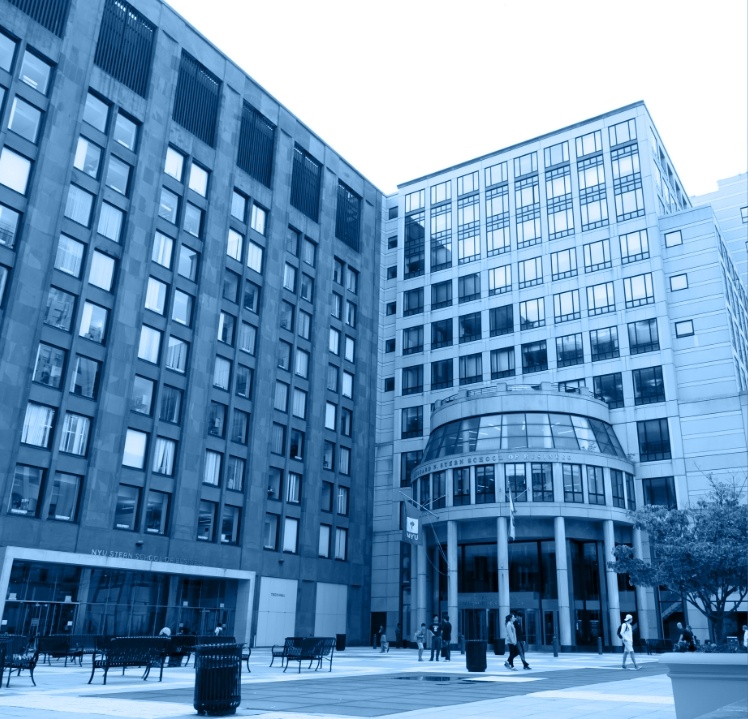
column 114, row 554
column 490, row 459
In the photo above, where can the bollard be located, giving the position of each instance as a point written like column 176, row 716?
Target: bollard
column 599, row 645
column 555, row 646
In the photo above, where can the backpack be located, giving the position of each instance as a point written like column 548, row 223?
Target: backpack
column 618, row 631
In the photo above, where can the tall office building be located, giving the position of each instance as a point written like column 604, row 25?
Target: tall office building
column 563, row 339
column 188, row 325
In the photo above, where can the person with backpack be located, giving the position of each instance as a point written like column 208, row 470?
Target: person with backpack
column 626, row 635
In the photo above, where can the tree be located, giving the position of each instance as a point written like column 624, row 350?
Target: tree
column 699, row 552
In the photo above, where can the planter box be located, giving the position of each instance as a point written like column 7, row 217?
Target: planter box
column 705, row 682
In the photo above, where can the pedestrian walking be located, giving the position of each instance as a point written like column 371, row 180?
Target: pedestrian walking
column 626, row 633
column 436, row 637
column 446, row 639
column 383, row 642
column 420, row 640
column 378, row 637
column 520, row 641
column 218, row 630
column 511, row 640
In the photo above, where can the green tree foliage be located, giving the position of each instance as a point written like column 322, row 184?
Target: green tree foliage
column 699, row 552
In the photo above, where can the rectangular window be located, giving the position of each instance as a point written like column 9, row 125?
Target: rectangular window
column 499, row 280
column 240, row 427
column 222, row 374
column 9, row 221
column 532, row 314
column 660, row 491
column 293, row 488
column 226, row 324
column 49, row 365
column 118, row 176
column 187, row 264
column 110, row 223
column 673, row 239
column 84, row 380
column 168, row 206
column 290, row 535
column 412, row 380
column 60, row 309
column 572, row 478
column 502, row 363
column 127, row 508
column 609, row 388
column 485, row 484
column 467, row 183
column 597, row 256
column 270, row 532
column 63, row 504
column 26, row 491
column 347, row 390
column 634, row 246
column 87, row 158
column 341, row 544
column 162, row 250
column 442, row 374
column 206, row 521
column 170, row 407
column 566, row 306
column 468, row 288
column 243, row 381
column 684, row 328
column 164, row 453
column 254, row 257
column 654, row 440
column 37, row 425
column 135, row 448
column 324, row 540
column 441, row 333
column 74, row 435
column 212, row 470
column 542, row 482
column 678, row 282
column 616, row 486
column 412, row 422
column 328, row 456
column 413, row 302
column 595, row 485
column 643, row 336
column 156, row 512
column 569, row 350
column 516, row 481
column 408, row 462
column 78, row 205
column 441, row 295
column 101, row 272
column 216, row 419
column 235, row 245
column 638, row 290
column 600, row 299
column 296, row 444
column 345, row 461
column 563, row 264
column 413, row 340
column 470, row 327
column 471, row 369
column 460, row 486
column 534, row 357
column 306, row 179
column 530, row 272
column 649, row 386
column 630, row 492
column 501, row 320
column 176, row 356
column 604, row 343
column 348, row 216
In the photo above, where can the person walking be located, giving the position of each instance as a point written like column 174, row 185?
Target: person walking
column 511, row 640
column 383, row 642
column 446, row 638
column 378, row 637
column 626, row 633
column 420, row 639
column 218, row 630
column 520, row 641
column 436, row 637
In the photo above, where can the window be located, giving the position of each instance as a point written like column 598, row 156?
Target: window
column 684, row 328
column 389, row 384
column 744, row 215
column 328, row 456
column 678, row 282
column 597, row 256
column 534, row 357
column 600, row 299
column 235, row 245
column 187, row 265
column 516, row 481
column 59, row 309
column 499, row 280
column 470, row 327
column 258, row 220
column 254, row 257
column 289, row 277
column 198, row 180
column 96, row 112
column 672, row 239
column 298, row 408
column 350, row 314
column 604, row 343
column 168, row 206
column 643, row 336
column 176, row 356
column 49, row 365
column 634, row 246
column 270, row 532
column 206, row 520
column 118, row 175
column 638, row 290
column 230, row 525
column 110, row 223
column 616, row 486
column 192, row 221
column 350, row 349
column 222, row 373
column 337, row 306
column 501, row 320
column 595, row 485
column 324, row 540
column 542, row 482
column 485, row 484
column 280, row 398
column 468, row 288
column 609, row 388
column 135, row 447
column 412, row 422
column 226, row 324
column 532, row 314
column 413, row 340
column 101, row 272
column 441, row 295
column 174, row 163
column 296, row 445
column 301, row 363
column 284, row 355
column 392, row 272
column 566, row 306
column 235, row 474
column 292, row 241
column 78, row 205
column 413, row 302
column 87, row 157
column 654, row 440
column 338, row 270
column 309, row 252
column 530, row 272
column 293, row 488
column 35, row 72
column 216, row 419
column 162, row 250
column 84, row 380
column 442, row 374
column 304, row 325
column 649, row 386
column 156, row 512
column 389, row 345
column 93, row 322
column 181, row 310
column 170, row 408
column 63, row 503
column 212, row 469
column 502, row 363
column 460, row 486
column 286, row 316
column 306, row 289
column 155, row 296
column 569, row 350
column 243, row 381
column 630, row 492
column 163, row 456
column 660, row 491
column 127, row 508
column 9, row 221
column 290, row 534
column 341, row 543
column 471, row 369
column 572, row 478
column 563, row 264
column 240, row 427
column 344, row 464
column 278, row 439
column 331, row 416
column 412, row 382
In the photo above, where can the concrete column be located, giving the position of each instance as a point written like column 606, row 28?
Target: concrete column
column 452, row 578
column 646, row 619
column 243, row 616
column 414, row 623
column 562, row 583
column 502, row 550
column 421, row 588
column 614, row 603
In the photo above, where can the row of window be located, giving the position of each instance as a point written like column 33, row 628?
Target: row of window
column 290, row 539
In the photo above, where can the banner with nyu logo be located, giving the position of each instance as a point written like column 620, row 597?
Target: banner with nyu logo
column 412, row 527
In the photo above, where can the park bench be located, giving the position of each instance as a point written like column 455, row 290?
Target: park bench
column 290, row 646
column 19, row 654
column 131, row 652
column 59, row 646
column 313, row 649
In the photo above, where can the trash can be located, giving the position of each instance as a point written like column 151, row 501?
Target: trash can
column 218, row 673
column 475, row 655
column 340, row 642
column 498, row 647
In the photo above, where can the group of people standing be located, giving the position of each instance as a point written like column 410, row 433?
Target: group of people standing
column 438, row 635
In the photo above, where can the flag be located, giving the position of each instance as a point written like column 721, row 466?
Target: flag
column 412, row 526
column 512, row 512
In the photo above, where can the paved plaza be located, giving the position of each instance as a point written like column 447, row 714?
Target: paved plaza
column 363, row 683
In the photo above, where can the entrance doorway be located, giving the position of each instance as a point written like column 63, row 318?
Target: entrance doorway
column 34, row 619
column 378, row 619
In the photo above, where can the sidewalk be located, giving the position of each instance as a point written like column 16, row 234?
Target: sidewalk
column 363, row 683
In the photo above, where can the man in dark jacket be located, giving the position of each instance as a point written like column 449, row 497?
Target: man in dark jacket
column 446, row 638
column 436, row 637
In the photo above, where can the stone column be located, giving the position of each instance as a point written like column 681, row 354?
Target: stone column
column 502, row 550
column 452, row 578
column 646, row 618
column 562, row 583
column 421, row 588
column 614, row 603
column 415, row 623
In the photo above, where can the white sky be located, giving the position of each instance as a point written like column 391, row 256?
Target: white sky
column 402, row 88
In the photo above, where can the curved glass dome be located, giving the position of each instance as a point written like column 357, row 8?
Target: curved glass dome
column 523, row 430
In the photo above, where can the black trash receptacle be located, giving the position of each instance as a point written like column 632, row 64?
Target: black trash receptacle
column 475, row 655
column 498, row 647
column 218, row 674
column 340, row 642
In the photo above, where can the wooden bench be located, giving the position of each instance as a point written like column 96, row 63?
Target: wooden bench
column 312, row 649
column 132, row 652
column 19, row 654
